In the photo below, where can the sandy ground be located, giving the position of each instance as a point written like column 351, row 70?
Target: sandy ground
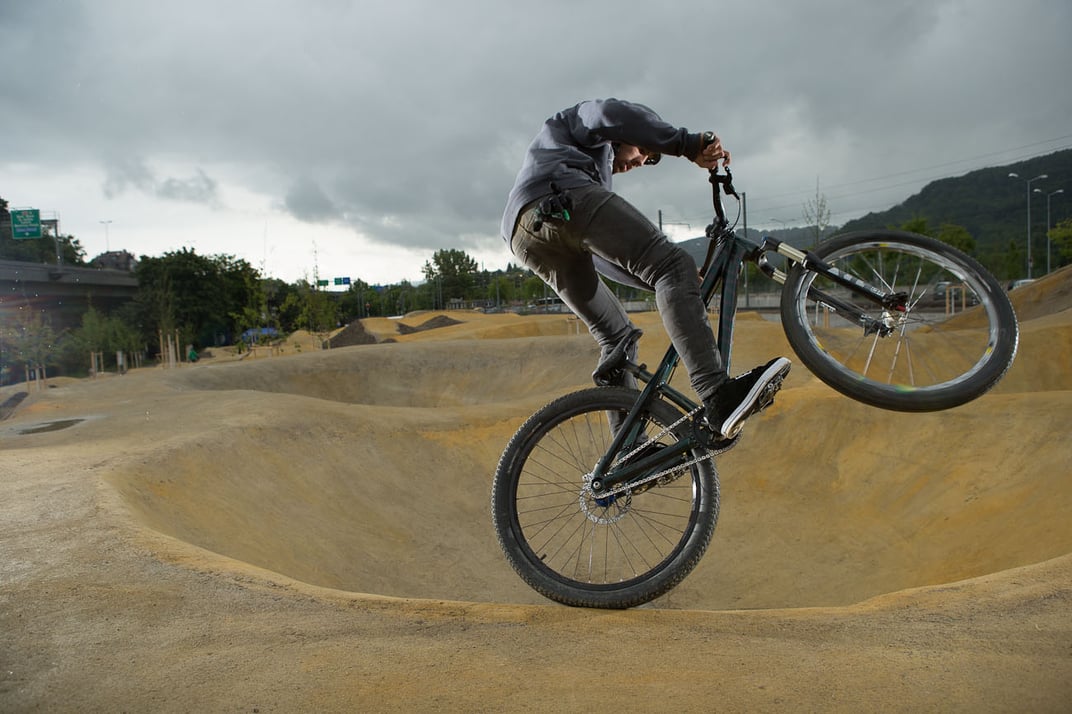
column 310, row 531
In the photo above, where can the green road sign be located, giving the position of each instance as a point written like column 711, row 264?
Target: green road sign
column 26, row 224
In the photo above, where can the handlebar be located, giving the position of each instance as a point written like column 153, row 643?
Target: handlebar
column 726, row 182
column 717, row 230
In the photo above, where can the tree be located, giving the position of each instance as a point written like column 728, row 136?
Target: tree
column 958, row 237
column 241, row 291
column 281, row 305
column 107, row 334
column 290, row 311
column 533, row 288
column 1007, row 264
column 454, row 272
column 1061, row 243
column 31, row 342
column 355, row 303
column 500, row 290
column 319, row 314
column 916, row 224
column 306, row 307
column 817, row 214
column 207, row 298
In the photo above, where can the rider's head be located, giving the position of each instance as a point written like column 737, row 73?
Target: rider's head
column 628, row 157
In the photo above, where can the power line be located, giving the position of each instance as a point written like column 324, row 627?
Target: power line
column 929, row 179
column 767, row 210
column 944, row 165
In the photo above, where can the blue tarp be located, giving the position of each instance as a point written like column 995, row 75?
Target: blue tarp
column 256, row 333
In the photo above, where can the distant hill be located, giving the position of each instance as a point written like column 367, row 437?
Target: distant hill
column 990, row 204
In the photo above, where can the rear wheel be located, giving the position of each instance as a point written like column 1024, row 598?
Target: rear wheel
column 955, row 340
column 612, row 552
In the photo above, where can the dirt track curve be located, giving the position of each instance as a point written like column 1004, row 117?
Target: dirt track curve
column 311, row 532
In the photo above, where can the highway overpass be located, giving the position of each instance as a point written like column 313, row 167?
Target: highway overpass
column 63, row 292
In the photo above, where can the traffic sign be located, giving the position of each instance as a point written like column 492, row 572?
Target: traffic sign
column 26, row 224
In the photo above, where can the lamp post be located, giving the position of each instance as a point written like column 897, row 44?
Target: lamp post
column 1029, row 182
column 107, row 245
column 1048, row 196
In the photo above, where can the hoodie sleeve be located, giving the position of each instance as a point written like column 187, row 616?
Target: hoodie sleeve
column 616, row 120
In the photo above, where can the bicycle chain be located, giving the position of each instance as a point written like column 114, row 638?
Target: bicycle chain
column 651, row 477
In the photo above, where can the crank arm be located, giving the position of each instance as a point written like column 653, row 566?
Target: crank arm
column 619, row 476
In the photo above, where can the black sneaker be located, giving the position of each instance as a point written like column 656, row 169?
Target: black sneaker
column 745, row 395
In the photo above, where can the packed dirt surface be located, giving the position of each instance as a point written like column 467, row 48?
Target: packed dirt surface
column 305, row 530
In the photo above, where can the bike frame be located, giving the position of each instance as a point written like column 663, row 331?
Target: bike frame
column 721, row 274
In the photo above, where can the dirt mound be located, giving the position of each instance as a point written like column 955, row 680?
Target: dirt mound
column 368, row 429
column 393, row 499
column 422, row 374
column 1049, row 294
column 353, row 334
column 11, row 403
column 157, row 552
column 433, row 323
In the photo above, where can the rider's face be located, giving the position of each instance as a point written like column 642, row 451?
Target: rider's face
column 627, row 157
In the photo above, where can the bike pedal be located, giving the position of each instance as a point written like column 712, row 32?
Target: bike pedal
column 721, row 446
column 767, row 397
column 716, row 443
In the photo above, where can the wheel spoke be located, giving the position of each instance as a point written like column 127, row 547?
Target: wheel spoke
column 953, row 340
column 612, row 551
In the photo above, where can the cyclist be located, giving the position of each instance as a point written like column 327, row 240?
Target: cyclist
column 563, row 221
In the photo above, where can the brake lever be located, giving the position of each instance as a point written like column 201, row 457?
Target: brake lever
column 726, row 181
column 728, row 186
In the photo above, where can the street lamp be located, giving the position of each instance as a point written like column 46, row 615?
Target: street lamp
column 1048, row 196
column 107, row 246
column 1029, row 182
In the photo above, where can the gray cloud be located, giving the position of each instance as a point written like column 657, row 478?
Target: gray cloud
column 130, row 174
column 306, row 201
column 127, row 174
column 199, row 188
column 407, row 120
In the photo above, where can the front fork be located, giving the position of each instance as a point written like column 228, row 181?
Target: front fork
column 897, row 301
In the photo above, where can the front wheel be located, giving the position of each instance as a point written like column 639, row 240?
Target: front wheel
column 952, row 343
column 580, row 550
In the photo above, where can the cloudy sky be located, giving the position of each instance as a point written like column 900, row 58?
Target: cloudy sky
column 356, row 138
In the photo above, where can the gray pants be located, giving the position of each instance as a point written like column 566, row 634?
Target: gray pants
column 604, row 225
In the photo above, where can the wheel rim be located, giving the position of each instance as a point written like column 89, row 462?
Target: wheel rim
column 946, row 337
column 591, row 543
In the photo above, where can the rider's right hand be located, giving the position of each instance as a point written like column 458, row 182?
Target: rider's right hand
column 712, row 153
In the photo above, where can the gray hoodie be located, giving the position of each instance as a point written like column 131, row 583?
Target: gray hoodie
column 574, row 148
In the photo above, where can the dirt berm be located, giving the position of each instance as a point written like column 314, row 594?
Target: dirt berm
column 311, row 532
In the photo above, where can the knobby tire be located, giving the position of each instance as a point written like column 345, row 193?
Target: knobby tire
column 571, row 548
column 953, row 343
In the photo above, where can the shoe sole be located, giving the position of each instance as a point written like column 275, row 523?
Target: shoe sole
column 759, row 397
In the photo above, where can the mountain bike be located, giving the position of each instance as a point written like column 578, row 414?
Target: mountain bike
column 608, row 497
